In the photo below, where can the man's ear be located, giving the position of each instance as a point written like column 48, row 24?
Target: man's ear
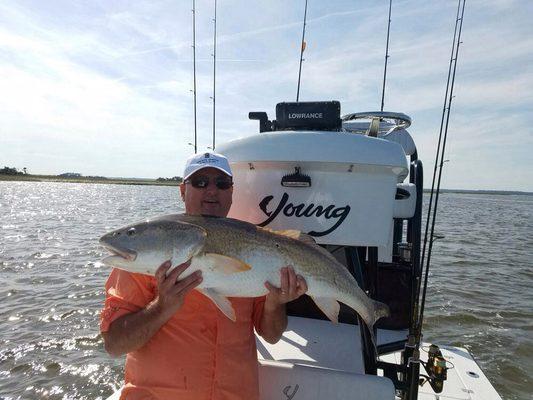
column 182, row 191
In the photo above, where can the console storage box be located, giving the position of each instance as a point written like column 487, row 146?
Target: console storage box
column 349, row 199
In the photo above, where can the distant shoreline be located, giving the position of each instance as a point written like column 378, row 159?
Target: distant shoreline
column 155, row 182
column 97, row 180
column 481, row 191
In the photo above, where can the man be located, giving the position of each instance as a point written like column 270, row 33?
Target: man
column 178, row 344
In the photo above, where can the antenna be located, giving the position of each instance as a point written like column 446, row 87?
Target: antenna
column 386, row 58
column 214, row 69
column 301, row 54
column 194, row 71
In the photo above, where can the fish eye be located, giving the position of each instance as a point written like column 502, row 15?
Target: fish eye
column 131, row 231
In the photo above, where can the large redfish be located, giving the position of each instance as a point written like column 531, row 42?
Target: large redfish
column 236, row 259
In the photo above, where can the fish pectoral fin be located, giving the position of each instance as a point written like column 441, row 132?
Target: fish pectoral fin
column 223, row 304
column 178, row 258
column 225, row 264
column 328, row 306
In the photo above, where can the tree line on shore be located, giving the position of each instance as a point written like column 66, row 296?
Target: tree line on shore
column 173, row 179
column 13, row 171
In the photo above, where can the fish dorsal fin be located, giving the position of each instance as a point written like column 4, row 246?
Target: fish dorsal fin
column 310, row 241
column 292, row 233
column 224, row 264
column 304, row 237
column 325, row 252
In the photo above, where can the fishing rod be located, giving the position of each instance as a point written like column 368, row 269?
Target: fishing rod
column 386, row 58
column 301, row 54
column 436, row 364
column 214, row 69
column 194, row 71
column 437, row 174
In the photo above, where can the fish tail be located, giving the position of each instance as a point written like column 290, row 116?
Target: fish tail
column 381, row 310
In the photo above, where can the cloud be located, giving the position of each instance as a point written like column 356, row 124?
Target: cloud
column 104, row 87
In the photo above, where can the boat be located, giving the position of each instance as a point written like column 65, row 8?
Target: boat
column 353, row 183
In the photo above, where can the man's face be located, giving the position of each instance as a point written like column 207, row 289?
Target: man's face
column 209, row 200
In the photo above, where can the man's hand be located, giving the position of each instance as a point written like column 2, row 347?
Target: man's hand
column 292, row 287
column 274, row 319
column 171, row 291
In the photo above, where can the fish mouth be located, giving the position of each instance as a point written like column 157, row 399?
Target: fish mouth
column 127, row 254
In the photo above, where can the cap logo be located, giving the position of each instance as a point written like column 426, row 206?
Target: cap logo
column 208, row 159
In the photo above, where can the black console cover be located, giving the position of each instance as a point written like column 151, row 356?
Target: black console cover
column 316, row 115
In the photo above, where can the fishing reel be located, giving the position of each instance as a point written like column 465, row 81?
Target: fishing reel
column 436, row 369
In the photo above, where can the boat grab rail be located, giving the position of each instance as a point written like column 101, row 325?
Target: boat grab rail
column 397, row 120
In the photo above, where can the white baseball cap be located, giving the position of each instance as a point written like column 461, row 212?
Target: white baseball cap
column 206, row 160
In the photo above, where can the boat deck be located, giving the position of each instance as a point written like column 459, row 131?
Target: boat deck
column 318, row 359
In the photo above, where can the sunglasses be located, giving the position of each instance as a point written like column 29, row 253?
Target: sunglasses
column 201, row 182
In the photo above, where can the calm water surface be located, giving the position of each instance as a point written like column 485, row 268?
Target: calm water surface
column 480, row 294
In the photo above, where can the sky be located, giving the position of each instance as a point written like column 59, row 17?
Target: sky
column 103, row 87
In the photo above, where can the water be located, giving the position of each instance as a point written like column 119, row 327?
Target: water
column 480, row 293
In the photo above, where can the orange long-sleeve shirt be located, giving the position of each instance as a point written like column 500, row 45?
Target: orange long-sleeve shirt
column 198, row 354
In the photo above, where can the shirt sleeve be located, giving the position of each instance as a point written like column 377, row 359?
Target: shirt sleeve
column 126, row 293
column 259, row 303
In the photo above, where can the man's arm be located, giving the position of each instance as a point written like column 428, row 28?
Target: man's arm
column 274, row 319
column 131, row 332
